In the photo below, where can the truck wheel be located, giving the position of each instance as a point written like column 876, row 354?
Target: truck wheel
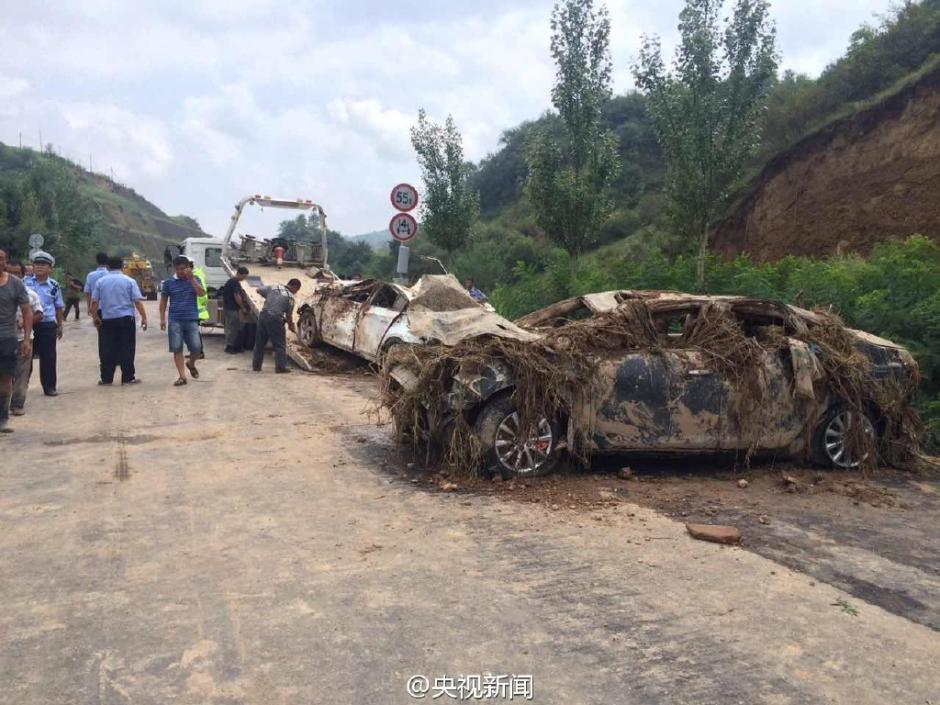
column 830, row 441
column 511, row 450
column 307, row 329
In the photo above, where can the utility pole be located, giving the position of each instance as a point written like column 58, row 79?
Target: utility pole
column 90, row 169
column 41, row 148
column 21, row 139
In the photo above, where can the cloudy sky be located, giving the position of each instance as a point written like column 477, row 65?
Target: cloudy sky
column 195, row 103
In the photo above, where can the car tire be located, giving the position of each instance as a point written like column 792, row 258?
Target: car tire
column 307, row 329
column 497, row 431
column 829, row 439
column 387, row 347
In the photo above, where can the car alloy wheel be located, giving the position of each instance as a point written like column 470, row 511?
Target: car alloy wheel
column 308, row 329
column 523, row 452
column 835, row 439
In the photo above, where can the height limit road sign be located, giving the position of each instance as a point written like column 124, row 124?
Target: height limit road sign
column 403, row 227
column 404, row 197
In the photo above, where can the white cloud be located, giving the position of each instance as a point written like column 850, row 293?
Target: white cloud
column 138, row 144
column 195, row 103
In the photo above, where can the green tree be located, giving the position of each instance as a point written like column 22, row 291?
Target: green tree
column 707, row 109
column 450, row 206
column 570, row 179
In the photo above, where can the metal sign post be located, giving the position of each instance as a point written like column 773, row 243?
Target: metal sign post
column 404, row 256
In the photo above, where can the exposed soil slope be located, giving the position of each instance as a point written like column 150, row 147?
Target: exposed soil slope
column 863, row 178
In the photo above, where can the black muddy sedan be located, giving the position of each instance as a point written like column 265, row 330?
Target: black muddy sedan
column 673, row 397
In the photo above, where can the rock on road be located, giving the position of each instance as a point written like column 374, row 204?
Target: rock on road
column 237, row 541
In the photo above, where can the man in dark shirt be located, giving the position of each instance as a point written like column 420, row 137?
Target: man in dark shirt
column 233, row 304
column 179, row 295
column 13, row 298
column 73, row 294
column 278, row 309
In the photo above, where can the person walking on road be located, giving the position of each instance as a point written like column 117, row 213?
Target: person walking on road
column 113, row 301
column 24, row 365
column 233, row 305
column 13, row 298
column 202, row 302
column 179, row 295
column 94, row 275
column 73, row 295
column 278, row 309
column 49, row 331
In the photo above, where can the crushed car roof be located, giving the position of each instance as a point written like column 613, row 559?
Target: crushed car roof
column 602, row 301
column 440, row 308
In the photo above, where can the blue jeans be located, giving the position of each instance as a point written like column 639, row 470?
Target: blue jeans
column 184, row 331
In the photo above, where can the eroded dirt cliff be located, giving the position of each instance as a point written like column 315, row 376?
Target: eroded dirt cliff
column 861, row 179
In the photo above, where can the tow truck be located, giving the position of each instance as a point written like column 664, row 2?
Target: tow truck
column 302, row 259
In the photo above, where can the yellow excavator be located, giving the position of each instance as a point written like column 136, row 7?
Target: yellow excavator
column 141, row 271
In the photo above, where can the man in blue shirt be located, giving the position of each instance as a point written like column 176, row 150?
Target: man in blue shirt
column 49, row 330
column 475, row 293
column 113, row 301
column 93, row 276
column 179, row 295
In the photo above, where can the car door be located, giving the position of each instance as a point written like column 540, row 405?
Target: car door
column 632, row 402
column 768, row 407
column 383, row 307
column 698, row 403
column 338, row 315
column 667, row 399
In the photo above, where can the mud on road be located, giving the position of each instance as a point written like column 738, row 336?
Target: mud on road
column 875, row 534
column 256, row 538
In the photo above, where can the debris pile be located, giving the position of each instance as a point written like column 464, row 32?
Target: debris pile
column 554, row 376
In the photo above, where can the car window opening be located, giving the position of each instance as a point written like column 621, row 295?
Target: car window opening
column 674, row 326
column 388, row 297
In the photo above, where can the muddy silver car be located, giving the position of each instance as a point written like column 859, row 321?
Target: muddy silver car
column 368, row 318
column 672, row 398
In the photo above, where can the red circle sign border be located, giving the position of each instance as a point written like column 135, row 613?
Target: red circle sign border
column 391, row 197
column 391, row 228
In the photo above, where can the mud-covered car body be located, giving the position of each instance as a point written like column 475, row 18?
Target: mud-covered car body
column 671, row 398
column 369, row 317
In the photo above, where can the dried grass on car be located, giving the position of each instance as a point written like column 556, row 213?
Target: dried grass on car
column 556, row 377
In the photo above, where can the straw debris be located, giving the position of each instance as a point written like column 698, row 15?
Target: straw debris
column 555, row 377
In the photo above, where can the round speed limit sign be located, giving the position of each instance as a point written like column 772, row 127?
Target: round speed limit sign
column 404, row 197
column 403, row 227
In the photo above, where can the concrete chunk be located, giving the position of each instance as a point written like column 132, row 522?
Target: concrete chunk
column 714, row 533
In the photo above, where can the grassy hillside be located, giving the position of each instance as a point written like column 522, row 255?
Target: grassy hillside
column 37, row 190
column 378, row 240
column 878, row 63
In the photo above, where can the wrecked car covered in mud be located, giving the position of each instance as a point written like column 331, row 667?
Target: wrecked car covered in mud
column 662, row 372
column 368, row 318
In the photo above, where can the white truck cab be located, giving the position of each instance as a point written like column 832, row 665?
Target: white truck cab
column 205, row 252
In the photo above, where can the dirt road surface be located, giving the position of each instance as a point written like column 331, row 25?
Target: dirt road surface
column 253, row 538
